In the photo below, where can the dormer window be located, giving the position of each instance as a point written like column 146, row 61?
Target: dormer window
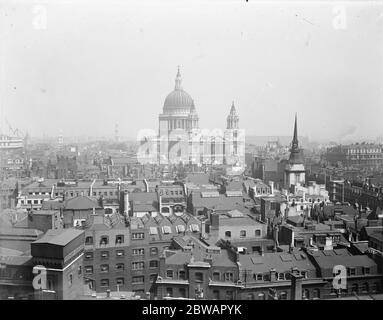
column 104, row 240
column 119, row 239
column 89, row 240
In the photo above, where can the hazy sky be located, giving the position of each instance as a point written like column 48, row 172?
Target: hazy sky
column 82, row 66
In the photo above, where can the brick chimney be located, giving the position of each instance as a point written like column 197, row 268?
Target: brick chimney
column 273, row 275
column 296, row 286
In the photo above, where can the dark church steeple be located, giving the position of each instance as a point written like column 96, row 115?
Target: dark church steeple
column 295, row 152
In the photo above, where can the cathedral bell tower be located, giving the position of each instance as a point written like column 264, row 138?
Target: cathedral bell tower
column 295, row 170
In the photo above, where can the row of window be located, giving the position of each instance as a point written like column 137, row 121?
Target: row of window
column 171, row 192
column 278, row 276
column 104, row 268
column 243, row 233
column 119, row 267
column 104, row 240
column 120, row 253
column 364, row 288
column 168, row 230
column 198, row 276
column 351, row 271
column 121, row 280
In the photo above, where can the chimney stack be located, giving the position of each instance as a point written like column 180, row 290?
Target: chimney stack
column 126, row 203
column 296, row 286
column 273, row 275
column 271, row 183
column 328, row 244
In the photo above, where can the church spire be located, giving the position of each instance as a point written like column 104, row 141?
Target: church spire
column 232, row 118
column 295, row 137
column 178, row 85
column 296, row 155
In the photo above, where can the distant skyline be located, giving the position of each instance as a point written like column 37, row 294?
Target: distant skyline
column 92, row 64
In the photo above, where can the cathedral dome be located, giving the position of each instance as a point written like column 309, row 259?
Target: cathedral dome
column 178, row 101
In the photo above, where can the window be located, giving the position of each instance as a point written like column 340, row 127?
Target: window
column 120, row 253
column 242, row 234
column 259, row 277
column 199, row 276
column 120, row 281
column 104, row 268
column 306, row 294
column 216, row 276
column 261, row 296
column 366, row 270
column 137, row 235
column 104, row 240
column 365, row 287
column 169, row 274
column 153, row 277
column 153, row 264
column 139, row 279
column 355, row 288
column 375, row 287
column 119, row 239
column 316, row 294
column 229, row 276
column 256, row 249
column 182, row 292
column 166, row 230
column 153, row 251
column 70, row 280
column 104, row 254
column 138, row 265
column 194, row 227
column 257, row 233
column 351, row 271
column 79, row 270
column 281, row 276
column 304, row 274
column 88, row 255
column 120, row 267
column 104, row 283
column 88, row 269
column 169, row 292
column 153, row 230
column 228, row 234
column 229, row 295
column 216, row 294
column 180, row 228
column 182, row 275
column 138, row 252
column 88, row 240
column 283, row 295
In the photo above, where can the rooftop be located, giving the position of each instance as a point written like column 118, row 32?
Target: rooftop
column 60, row 237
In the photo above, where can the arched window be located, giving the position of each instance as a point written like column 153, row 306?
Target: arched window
column 228, row 234
column 89, row 240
